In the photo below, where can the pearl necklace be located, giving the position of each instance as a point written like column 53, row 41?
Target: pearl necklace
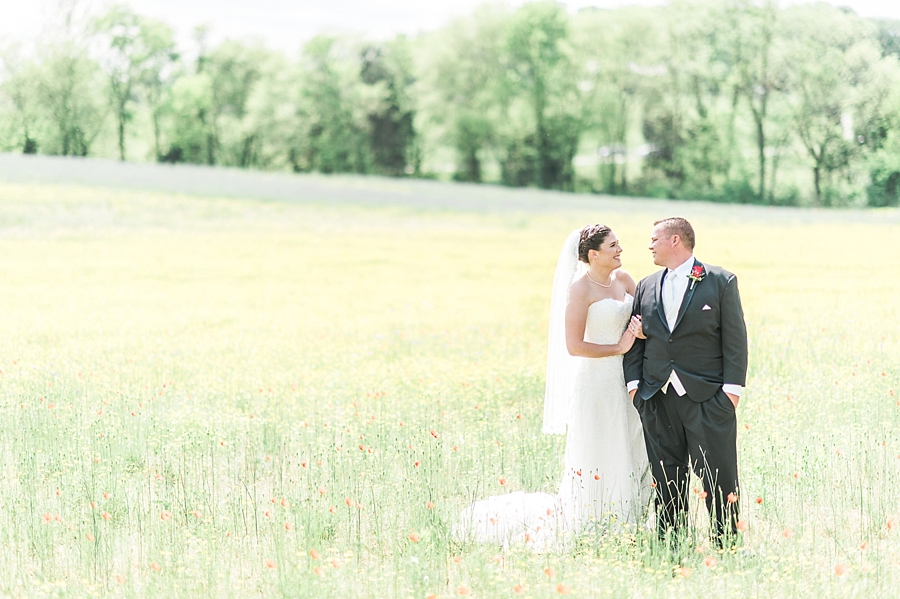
column 588, row 273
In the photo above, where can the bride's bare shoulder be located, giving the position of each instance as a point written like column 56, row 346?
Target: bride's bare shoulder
column 579, row 290
column 626, row 279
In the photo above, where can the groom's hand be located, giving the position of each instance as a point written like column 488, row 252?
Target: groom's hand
column 631, row 394
column 734, row 399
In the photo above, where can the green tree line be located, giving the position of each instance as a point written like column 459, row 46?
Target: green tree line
column 725, row 100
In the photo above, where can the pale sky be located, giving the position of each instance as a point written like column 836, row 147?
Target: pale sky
column 286, row 24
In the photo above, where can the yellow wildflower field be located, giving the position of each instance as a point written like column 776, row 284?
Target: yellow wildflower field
column 232, row 397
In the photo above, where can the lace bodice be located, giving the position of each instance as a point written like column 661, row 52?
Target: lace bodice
column 607, row 319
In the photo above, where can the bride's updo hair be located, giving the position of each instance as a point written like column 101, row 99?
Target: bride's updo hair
column 592, row 237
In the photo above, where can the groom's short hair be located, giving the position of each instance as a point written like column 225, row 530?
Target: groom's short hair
column 676, row 225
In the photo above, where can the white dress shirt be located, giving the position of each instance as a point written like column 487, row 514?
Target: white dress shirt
column 674, row 286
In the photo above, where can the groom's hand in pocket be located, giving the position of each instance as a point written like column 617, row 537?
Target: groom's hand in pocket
column 734, row 399
column 631, row 394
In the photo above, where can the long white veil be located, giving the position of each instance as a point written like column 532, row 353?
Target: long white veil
column 560, row 365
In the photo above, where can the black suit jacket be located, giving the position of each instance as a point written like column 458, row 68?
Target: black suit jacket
column 707, row 347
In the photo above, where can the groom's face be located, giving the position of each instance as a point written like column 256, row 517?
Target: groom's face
column 662, row 246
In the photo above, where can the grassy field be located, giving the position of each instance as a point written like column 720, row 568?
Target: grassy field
column 234, row 398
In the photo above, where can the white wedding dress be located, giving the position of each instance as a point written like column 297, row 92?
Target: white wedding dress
column 605, row 480
column 606, row 459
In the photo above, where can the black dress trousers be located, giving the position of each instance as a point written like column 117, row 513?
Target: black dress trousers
column 682, row 436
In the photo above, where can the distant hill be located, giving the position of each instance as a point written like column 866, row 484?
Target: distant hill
column 368, row 190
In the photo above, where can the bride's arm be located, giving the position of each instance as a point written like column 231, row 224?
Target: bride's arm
column 636, row 327
column 576, row 319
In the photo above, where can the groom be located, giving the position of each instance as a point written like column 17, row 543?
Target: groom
column 685, row 379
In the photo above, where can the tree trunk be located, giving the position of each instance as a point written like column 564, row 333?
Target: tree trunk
column 121, row 137
column 818, row 161
column 156, row 133
column 247, row 151
column 473, row 166
column 122, row 95
column 772, row 180
column 817, row 180
column 210, row 150
column 759, row 118
column 607, row 174
column 65, row 140
column 761, row 148
column 544, row 174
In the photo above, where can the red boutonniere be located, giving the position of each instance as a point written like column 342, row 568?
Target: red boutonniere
column 697, row 274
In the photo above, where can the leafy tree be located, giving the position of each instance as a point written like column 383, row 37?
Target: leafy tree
column 463, row 99
column 391, row 131
column 687, row 107
column 714, row 99
column 138, row 52
column 20, row 108
column 271, row 120
column 753, row 39
column 157, row 80
column 67, row 84
column 235, row 69
column 333, row 108
column 703, row 95
column 189, row 108
column 540, row 72
column 616, row 68
column 887, row 32
column 884, row 171
column 207, row 107
column 826, row 58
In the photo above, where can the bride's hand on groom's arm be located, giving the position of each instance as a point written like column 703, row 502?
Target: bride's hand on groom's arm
column 631, row 333
column 636, row 327
column 626, row 341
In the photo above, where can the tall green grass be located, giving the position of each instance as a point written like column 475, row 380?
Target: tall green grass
column 229, row 398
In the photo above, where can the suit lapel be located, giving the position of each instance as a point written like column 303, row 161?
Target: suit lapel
column 688, row 294
column 659, row 302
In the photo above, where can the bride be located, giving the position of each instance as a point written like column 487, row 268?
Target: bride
column 605, row 475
